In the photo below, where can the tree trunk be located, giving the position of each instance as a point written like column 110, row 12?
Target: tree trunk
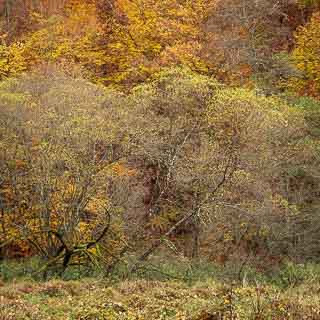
column 196, row 239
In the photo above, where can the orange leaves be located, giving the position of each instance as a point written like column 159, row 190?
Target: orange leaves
column 20, row 164
column 121, row 170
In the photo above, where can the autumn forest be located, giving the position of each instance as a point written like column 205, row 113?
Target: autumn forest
column 148, row 143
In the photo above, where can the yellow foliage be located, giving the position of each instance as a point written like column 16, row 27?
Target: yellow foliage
column 306, row 58
column 68, row 40
column 124, row 46
column 12, row 61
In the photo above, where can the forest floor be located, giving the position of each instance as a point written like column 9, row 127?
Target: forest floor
column 89, row 299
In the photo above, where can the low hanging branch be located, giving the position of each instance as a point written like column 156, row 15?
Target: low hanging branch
column 66, row 252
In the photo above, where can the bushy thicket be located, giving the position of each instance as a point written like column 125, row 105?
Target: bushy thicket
column 180, row 164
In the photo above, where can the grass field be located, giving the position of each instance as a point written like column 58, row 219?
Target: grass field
column 148, row 300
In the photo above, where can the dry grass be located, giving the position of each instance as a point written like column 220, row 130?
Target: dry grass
column 143, row 300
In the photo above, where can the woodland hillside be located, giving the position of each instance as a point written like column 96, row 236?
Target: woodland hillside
column 140, row 133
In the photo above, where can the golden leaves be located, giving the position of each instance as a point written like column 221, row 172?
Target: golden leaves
column 306, row 58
